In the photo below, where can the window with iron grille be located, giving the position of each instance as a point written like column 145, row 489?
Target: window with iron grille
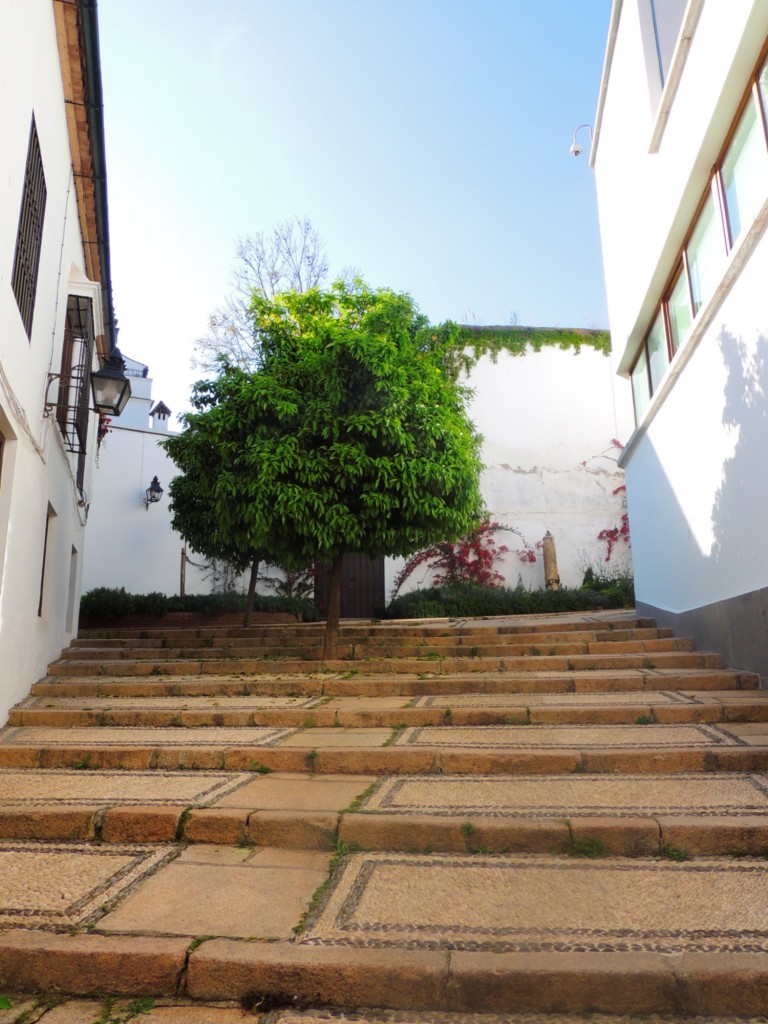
column 72, row 404
column 29, row 237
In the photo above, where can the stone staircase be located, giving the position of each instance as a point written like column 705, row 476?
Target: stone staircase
column 536, row 815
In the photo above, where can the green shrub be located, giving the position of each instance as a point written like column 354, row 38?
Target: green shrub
column 105, row 604
column 468, row 599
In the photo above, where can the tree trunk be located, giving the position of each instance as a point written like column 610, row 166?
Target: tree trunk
column 249, row 601
column 331, row 644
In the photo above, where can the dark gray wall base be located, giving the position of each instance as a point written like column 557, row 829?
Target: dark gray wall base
column 737, row 628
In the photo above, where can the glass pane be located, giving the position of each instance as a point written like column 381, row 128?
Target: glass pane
column 706, row 254
column 641, row 391
column 658, row 358
column 680, row 314
column 745, row 173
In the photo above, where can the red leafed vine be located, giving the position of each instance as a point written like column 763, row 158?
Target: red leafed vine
column 472, row 559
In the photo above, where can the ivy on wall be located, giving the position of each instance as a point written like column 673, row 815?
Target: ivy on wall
column 517, row 340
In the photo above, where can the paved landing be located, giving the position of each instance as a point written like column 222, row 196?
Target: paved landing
column 568, row 796
column 219, row 890
column 526, row 904
column 61, row 885
column 506, row 737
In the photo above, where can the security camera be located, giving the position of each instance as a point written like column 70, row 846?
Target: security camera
column 576, row 149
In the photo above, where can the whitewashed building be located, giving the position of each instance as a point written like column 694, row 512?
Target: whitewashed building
column 680, row 153
column 130, row 542
column 56, row 323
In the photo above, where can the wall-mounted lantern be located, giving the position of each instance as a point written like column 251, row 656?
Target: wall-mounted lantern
column 110, row 387
column 153, row 493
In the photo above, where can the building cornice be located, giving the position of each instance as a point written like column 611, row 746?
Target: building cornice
column 78, row 42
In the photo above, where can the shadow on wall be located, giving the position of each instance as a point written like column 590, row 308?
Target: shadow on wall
column 739, row 516
column 736, row 626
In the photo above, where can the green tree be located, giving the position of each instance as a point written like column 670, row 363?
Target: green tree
column 352, row 436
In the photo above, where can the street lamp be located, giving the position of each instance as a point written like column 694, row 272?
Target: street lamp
column 110, row 387
column 153, row 493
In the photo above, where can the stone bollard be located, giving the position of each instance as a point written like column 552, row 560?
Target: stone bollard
column 551, row 576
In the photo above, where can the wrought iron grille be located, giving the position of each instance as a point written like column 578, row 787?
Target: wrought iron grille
column 29, row 238
column 72, row 404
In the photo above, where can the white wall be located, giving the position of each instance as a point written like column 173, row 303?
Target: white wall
column 127, row 544
column 541, row 416
column 36, row 472
column 696, row 482
column 646, row 201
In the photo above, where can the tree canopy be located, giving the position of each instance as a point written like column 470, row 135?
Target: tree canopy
column 352, row 436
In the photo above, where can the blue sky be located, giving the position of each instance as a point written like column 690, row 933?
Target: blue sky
column 426, row 140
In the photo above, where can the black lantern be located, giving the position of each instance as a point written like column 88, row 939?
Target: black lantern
column 153, row 493
column 110, row 387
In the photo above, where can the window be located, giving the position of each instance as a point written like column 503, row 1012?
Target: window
column 29, row 237
column 744, row 173
column 679, row 310
column 706, row 253
column 660, row 24
column 641, row 387
column 737, row 191
column 72, row 401
column 658, row 356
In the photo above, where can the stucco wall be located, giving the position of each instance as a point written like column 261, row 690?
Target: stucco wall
column 541, row 416
column 127, row 544
column 696, row 481
column 36, row 472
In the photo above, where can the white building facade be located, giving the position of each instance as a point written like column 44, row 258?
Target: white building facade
column 681, row 162
column 56, row 323
column 130, row 542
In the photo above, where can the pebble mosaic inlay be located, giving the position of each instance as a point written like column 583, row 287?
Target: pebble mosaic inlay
column 36, row 787
column 214, row 736
column 222, row 703
column 45, row 885
column 534, row 904
column 503, row 700
column 538, row 737
column 532, row 796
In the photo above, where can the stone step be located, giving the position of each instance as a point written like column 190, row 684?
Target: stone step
column 498, row 749
column 355, row 683
column 56, row 1009
column 279, row 665
column 243, row 637
column 644, row 707
column 476, row 934
column 675, row 816
column 506, row 625
column 365, row 652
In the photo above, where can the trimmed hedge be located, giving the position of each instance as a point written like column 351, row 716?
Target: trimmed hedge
column 468, row 599
column 106, row 604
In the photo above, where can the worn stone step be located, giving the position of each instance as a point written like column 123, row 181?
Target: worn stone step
column 477, row 933
column 364, row 652
column 635, row 815
column 57, row 1009
column 502, row 625
column 509, row 749
column 405, row 685
column 277, row 665
column 470, row 709
column 243, row 637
